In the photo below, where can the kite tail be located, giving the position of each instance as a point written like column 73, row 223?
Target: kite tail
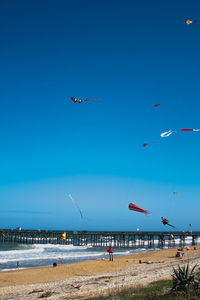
column 70, row 196
column 172, row 226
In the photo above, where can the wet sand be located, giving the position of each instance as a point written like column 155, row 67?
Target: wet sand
column 94, row 277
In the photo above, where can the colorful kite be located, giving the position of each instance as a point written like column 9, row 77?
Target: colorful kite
column 156, row 105
column 135, row 207
column 166, row 222
column 175, row 193
column 191, row 129
column 61, row 260
column 145, row 144
column 63, row 236
column 166, row 133
column 188, row 22
column 70, row 196
column 76, row 100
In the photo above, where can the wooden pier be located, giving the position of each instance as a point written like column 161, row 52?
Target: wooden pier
column 133, row 240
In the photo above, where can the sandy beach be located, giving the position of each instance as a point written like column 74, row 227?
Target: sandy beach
column 94, row 277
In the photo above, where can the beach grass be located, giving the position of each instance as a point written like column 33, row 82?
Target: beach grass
column 158, row 290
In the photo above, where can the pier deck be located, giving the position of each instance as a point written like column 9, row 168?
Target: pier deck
column 100, row 239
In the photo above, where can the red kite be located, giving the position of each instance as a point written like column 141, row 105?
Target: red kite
column 135, row 207
column 191, row 129
column 156, row 105
column 74, row 99
column 145, row 144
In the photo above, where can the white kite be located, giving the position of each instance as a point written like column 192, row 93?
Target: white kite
column 167, row 133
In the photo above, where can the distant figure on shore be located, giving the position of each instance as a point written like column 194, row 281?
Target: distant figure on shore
column 110, row 252
column 18, row 264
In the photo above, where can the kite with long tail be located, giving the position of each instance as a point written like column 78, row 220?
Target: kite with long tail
column 166, row 222
column 70, row 196
column 168, row 133
column 76, row 100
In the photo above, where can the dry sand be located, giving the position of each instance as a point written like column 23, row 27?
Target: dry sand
column 94, row 277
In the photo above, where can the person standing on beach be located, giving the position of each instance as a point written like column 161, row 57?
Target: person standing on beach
column 110, row 252
column 18, row 264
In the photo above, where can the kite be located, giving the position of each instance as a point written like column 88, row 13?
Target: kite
column 165, row 222
column 166, row 133
column 135, row 207
column 145, row 144
column 76, row 100
column 175, row 193
column 62, row 261
column 91, row 99
column 63, row 236
column 156, row 105
column 70, row 196
column 191, row 129
column 188, row 22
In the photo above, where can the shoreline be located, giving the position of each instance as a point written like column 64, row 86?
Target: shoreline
column 103, row 255
column 92, row 277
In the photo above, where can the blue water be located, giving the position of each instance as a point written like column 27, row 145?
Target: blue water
column 37, row 255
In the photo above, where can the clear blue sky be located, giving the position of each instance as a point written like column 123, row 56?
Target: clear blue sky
column 131, row 54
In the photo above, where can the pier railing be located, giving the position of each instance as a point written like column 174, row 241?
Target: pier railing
column 100, row 239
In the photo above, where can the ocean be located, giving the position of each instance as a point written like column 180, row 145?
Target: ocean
column 38, row 255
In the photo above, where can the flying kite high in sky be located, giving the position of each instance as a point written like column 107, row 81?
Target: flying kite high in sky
column 70, row 196
column 191, row 129
column 135, row 207
column 188, row 22
column 175, row 193
column 156, row 105
column 166, row 222
column 76, row 100
column 145, row 144
column 166, row 133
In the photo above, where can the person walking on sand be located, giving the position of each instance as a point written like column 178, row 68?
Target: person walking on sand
column 110, row 252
